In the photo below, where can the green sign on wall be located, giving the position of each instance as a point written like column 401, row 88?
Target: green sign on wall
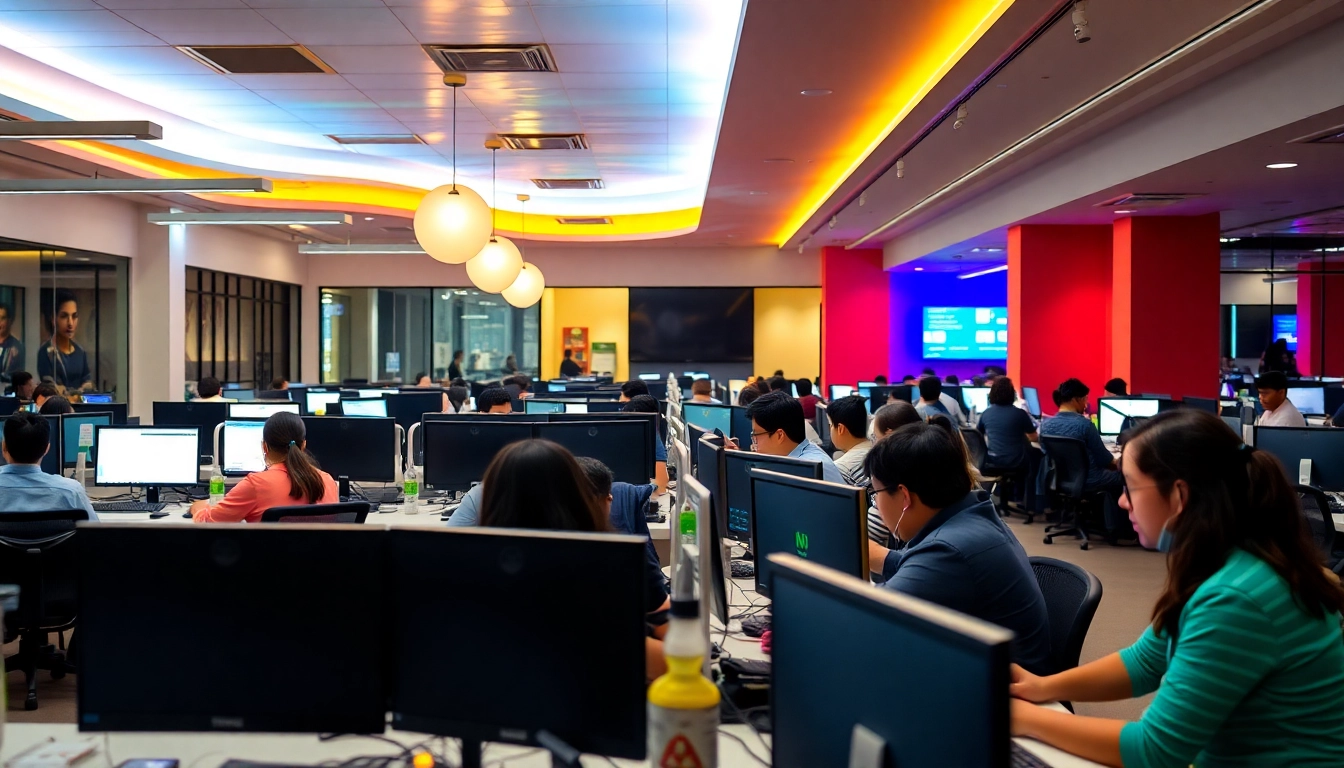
column 604, row 357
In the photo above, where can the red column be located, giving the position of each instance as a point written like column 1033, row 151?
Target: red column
column 1059, row 283
column 1164, row 306
column 1320, row 319
column 855, row 315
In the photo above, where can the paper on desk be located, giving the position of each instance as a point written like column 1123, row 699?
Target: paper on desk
column 53, row 754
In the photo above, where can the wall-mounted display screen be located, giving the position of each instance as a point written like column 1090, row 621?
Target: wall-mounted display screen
column 966, row 333
column 711, row 325
column 1285, row 327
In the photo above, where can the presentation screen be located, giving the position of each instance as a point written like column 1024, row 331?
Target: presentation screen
column 1285, row 327
column 966, row 333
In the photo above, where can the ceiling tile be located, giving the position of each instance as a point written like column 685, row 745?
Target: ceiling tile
column 610, row 58
column 156, row 5
column 347, row 98
column 313, row 82
column 354, row 128
column 339, row 26
column 315, row 4
column 239, row 97
column 345, row 115
column 377, row 59
column 583, row 97
column 62, row 29
column 465, row 114
column 396, row 150
column 433, row 98
column 161, row 60
column 640, row 111
column 469, row 24
column 581, row 80
column 406, row 81
column 254, row 114
column 209, row 82
column 208, row 27
column 49, row 5
column 577, row 25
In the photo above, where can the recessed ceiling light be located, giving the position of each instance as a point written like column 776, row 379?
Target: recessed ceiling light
column 1122, row 211
column 368, row 218
column 757, row 192
column 816, row 92
column 919, row 269
column 1278, row 166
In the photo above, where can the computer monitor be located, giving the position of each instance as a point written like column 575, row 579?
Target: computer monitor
column 118, row 410
column 697, row 554
column 826, row 523
column 817, row 704
column 1323, row 446
column 8, row 405
column 737, row 466
column 315, row 403
column 741, row 426
column 204, row 639
column 676, row 429
column 694, row 375
column 364, row 407
column 975, row 398
column 409, row 407
column 708, row 416
column 533, row 405
column 823, row 425
column 837, row 391
column 147, row 456
column 205, row 416
column 735, row 387
column 360, row 449
column 557, row 386
column 877, row 396
column 951, row 390
column 657, row 388
column 651, row 377
column 1112, row 412
column 260, row 410
column 489, row 591
column 1201, row 404
column 458, row 452
column 624, row 445
column 1310, row 401
column 240, row 447
column 1334, row 399
column 1033, row 401
column 709, row 472
column 376, row 392
column 71, row 423
column 100, row 398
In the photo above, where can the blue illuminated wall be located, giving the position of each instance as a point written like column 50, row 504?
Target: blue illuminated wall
column 911, row 292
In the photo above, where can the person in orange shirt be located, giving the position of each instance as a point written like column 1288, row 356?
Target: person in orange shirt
column 291, row 477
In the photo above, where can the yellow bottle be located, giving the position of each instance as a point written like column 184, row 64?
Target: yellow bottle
column 683, row 704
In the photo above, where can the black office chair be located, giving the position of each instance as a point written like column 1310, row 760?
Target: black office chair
column 1316, row 510
column 1072, row 595
column 1068, row 490
column 1002, row 484
column 36, row 553
column 355, row 512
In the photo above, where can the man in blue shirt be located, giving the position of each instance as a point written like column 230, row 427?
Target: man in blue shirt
column 960, row 554
column 1102, row 475
column 777, row 429
column 24, row 487
column 930, row 398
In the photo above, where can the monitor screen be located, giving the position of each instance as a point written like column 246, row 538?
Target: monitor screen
column 240, row 447
column 147, row 456
column 1033, row 401
column 260, row 410
column 838, row 391
column 823, row 522
column 315, row 403
column 1310, row 401
column 975, row 398
column 532, row 405
column 376, row 392
column 576, row 407
column 70, row 426
column 1112, row 412
column 365, row 407
column 206, row 416
column 97, row 397
column 1324, row 446
column 692, row 325
column 458, row 452
column 709, row 472
column 966, row 333
column 650, row 376
column 708, row 416
column 213, row 627
column 737, row 485
column 624, row 445
column 364, row 450
column 1285, row 327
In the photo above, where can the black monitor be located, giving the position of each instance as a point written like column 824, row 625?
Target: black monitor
column 457, row 452
column 354, row 449
column 206, row 416
column 581, row 681
column 624, row 445
column 1201, row 404
column 118, row 410
column 657, row 389
column 826, row 523
column 877, row 396
column 741, row 426
column 208, row 643
column 151, row 457
column 256, row 410
column 1323, row 446
column 817, row 704
column 737, row 465
column 709, row 471
column 605, row 406
column 953, row 391
column 1334, row 399
column 274, row 394
column 823, row 425
column 71, row 423
column 8, row 405
column 409, row 407
column 1033, row 399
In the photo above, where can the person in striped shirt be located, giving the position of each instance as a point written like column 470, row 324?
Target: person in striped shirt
column 1244, row 651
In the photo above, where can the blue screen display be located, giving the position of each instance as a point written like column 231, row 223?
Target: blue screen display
column 1285, row 327
column 966, row 333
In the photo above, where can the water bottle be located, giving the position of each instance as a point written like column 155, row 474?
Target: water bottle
column 81, row 465
column 216, row 485
column 411, row 489
column 686, row 524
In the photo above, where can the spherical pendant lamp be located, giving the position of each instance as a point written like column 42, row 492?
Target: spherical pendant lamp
column 496, row 266
column 526, row 290
column 452, row 223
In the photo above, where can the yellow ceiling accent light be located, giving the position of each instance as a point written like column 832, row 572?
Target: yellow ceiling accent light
column 961, row 26
column 453, row 223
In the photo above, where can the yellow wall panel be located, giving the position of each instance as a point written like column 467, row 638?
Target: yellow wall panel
column 604, row 311
column 788, row 332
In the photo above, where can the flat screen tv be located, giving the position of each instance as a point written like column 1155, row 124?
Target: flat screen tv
column 712, row 325
column 965, row 333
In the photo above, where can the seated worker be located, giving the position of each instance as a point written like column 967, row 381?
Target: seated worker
column 494, row 400
column 24, row 487
column 888, row 419
column 952, row 379
column 749, row 394
column 422, row 380
column 1115, row 388
column 291, row 478
column 702, row 392
column 42, row 392
column 778, row 429
column 518, row 385
column 632, row 389
column 960, row 554
column 646, row 404
column 537, row 484
column 624, row 504
column 279, row 384
column 880, row 380
column 207, row 391
column 807, row 399
column 849, row 434
column 457, row 399
column 1243, row 650
column 54, row 405
column 568, row 367
column 908, row 379
column 781, row 384
column 1008, row 430
column 1279, row 410
column 1071, row 398
column 930, row 398
column 1336, row 420
column 22, row 385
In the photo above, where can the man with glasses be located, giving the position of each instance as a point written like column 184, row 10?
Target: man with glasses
column 777, row 429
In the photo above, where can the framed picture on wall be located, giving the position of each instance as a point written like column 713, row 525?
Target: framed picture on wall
column 13, row 356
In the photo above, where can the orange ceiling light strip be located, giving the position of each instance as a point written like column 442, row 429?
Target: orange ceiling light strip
column 959, row 27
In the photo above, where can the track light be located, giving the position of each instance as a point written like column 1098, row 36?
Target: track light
column 900, row 169
column 961, row 117
column 832, row 224
column 1081, row 32
column 863, row 198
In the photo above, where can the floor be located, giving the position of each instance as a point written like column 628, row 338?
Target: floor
column 1131, row 579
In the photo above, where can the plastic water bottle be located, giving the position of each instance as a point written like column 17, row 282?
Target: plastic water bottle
column 411, row 489
column 686, row 524
column 216, row 485
column 81, row 465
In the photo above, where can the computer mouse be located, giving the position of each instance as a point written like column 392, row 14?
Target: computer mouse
column 186, row 514
column 157, row 515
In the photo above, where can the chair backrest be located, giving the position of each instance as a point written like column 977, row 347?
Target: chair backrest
column 1071, row 598
column 1069, row 457
column 1316, row 509
column 975, row 443
column 345, row 512
column 36, row 553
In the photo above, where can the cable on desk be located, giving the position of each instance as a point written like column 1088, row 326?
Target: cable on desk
column 746, row 748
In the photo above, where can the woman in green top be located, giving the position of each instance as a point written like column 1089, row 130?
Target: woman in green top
column 1245, row 650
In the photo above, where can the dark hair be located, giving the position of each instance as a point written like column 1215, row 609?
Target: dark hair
column 457, row 396
column 45, row 389
column 207, row 387
column 804, row 387
column 852, row 412
column 51, row 303
column 20, row 378
column 908, row 377
column 749, row 394
column 457, row 353
column 538, row 484
column 458, row 382
column 523, row 381
column 419, row 376
column 779, row 373
column 951, row 378
column 26, row 437
column 701, row 387
column 634, row 388
column 994, row 370
column 779, row 384
column 761, row 384
column 930, row 388
column 569, row 353
column 9, row 312
column 278, row 382
column 928, row 372
column 491, row 397
column 1117, row 386
column 1070, row 390
column 599, row 475
column 285, row 434
column 56, row 404
column 978, row 381
column 777, row 411
column 879, row 379
column 1239, row 498
column 641, row 404
column 894, row 416
column 944, row 422
column 1002, row 392
column 925, row 459
column 1272, row 380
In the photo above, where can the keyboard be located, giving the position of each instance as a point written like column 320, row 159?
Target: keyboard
column 1018, row 757
column 741, row 570
column 127, row 506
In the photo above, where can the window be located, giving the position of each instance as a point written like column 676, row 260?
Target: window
column 241, row 330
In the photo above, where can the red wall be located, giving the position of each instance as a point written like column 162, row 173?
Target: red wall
column 1165, row 298
column 1320, row 321
column 1059, row 282
column 855, row 315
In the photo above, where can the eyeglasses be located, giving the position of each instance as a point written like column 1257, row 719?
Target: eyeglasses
column 1125, row 489
column 755, row 435
column 877, row 490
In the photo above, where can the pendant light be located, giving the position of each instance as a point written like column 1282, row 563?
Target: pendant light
column 499, row 262
column 527, row 289
column 452, row 222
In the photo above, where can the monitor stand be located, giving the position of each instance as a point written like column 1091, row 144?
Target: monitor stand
column 151, row 494
column 562, row 754
column 867, row 749
column 343, row 488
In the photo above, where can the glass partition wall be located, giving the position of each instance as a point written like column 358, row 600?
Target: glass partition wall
column 393, row 334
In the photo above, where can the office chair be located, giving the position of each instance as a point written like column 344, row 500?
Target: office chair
column 1001, row 484
column 1072, row 595
column 345, row 512
column 36, row 553
column 1316, row 510
column 1068, row 493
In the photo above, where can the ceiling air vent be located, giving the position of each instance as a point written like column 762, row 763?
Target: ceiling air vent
column 569, row 183
column 584, row 220
column 393, row 138
column 1147, row 199
column 399, row 230
column 258, row 59
column 544, row 140
column 1332, row 136
column 492, row 58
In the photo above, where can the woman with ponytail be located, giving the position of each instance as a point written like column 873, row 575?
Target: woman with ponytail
column 1244, row 650
column 291, row 478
